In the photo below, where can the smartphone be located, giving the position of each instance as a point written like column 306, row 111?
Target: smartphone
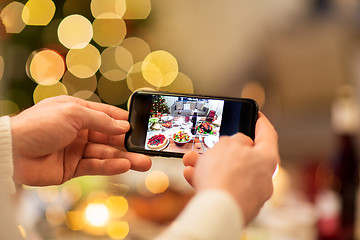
column 171, row 124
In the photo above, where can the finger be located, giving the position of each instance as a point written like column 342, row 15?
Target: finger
column 110, row 110
column 190, row 158
column 102, row 167
column 111, row 140
column 138, row 162
column 243, row 139
column 99, row 121
column 265, row 134
column 188, row 174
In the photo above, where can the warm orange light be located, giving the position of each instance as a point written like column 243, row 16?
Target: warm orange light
column 38, row 12
column 45, row 67
column 74, row 220
column 11, row 17
column 157, row 182
column 117, row 205
column 118, row 229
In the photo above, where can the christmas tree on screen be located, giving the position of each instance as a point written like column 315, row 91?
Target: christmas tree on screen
column 159, row 106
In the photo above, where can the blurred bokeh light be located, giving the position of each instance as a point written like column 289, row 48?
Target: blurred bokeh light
column 45, row 67
column 116, row 62
column 11, row 17
column 109, row 32
column 108, row 9
column 75, row 31
column 42, row 92
column 160, row 68
column 157, row 182
column 38, row 12
column 137, row 9
column 85, row 62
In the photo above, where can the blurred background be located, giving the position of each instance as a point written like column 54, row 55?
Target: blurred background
column 300, row 59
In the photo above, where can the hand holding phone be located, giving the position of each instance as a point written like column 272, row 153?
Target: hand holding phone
column 170, row 124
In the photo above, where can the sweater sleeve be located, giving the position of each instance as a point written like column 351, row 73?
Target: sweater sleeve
column 210, row 215
column 6, row 158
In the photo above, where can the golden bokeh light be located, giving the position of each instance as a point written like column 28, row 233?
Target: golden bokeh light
column 75, row 32
column 83, row 63
column 182, row 84
column 254, row 90
column 55, row 215
column 42, row 92
column 135, row 79
column 118, row 229
column 11, row 17
column 2, row 67
column 157, row 182
column 8, row 107
column 48, row 194
column 108, row 9
column 38, row 12
column 97, row 214
column 117, row 205
column 22, row 231
column 116, row 62
column 74, row 84
column 160, row 68
column 74, row 220
column 109, row 32
column 45, row 67
column 137, row 47
column 137, row 9
column 113, row 92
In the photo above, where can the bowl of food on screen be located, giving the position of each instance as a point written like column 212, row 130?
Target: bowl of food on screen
column 181, row 138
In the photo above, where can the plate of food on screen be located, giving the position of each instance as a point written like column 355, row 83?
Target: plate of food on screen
column 157, row 142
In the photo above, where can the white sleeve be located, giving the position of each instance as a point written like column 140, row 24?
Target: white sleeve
column 6, row 158
column 210, row 215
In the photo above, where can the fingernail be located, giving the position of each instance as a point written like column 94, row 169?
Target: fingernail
column 122, row 123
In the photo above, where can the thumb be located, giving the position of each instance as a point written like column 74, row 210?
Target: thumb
column 101, row 122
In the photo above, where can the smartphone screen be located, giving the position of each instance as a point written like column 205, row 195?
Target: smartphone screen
column 169, row 124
